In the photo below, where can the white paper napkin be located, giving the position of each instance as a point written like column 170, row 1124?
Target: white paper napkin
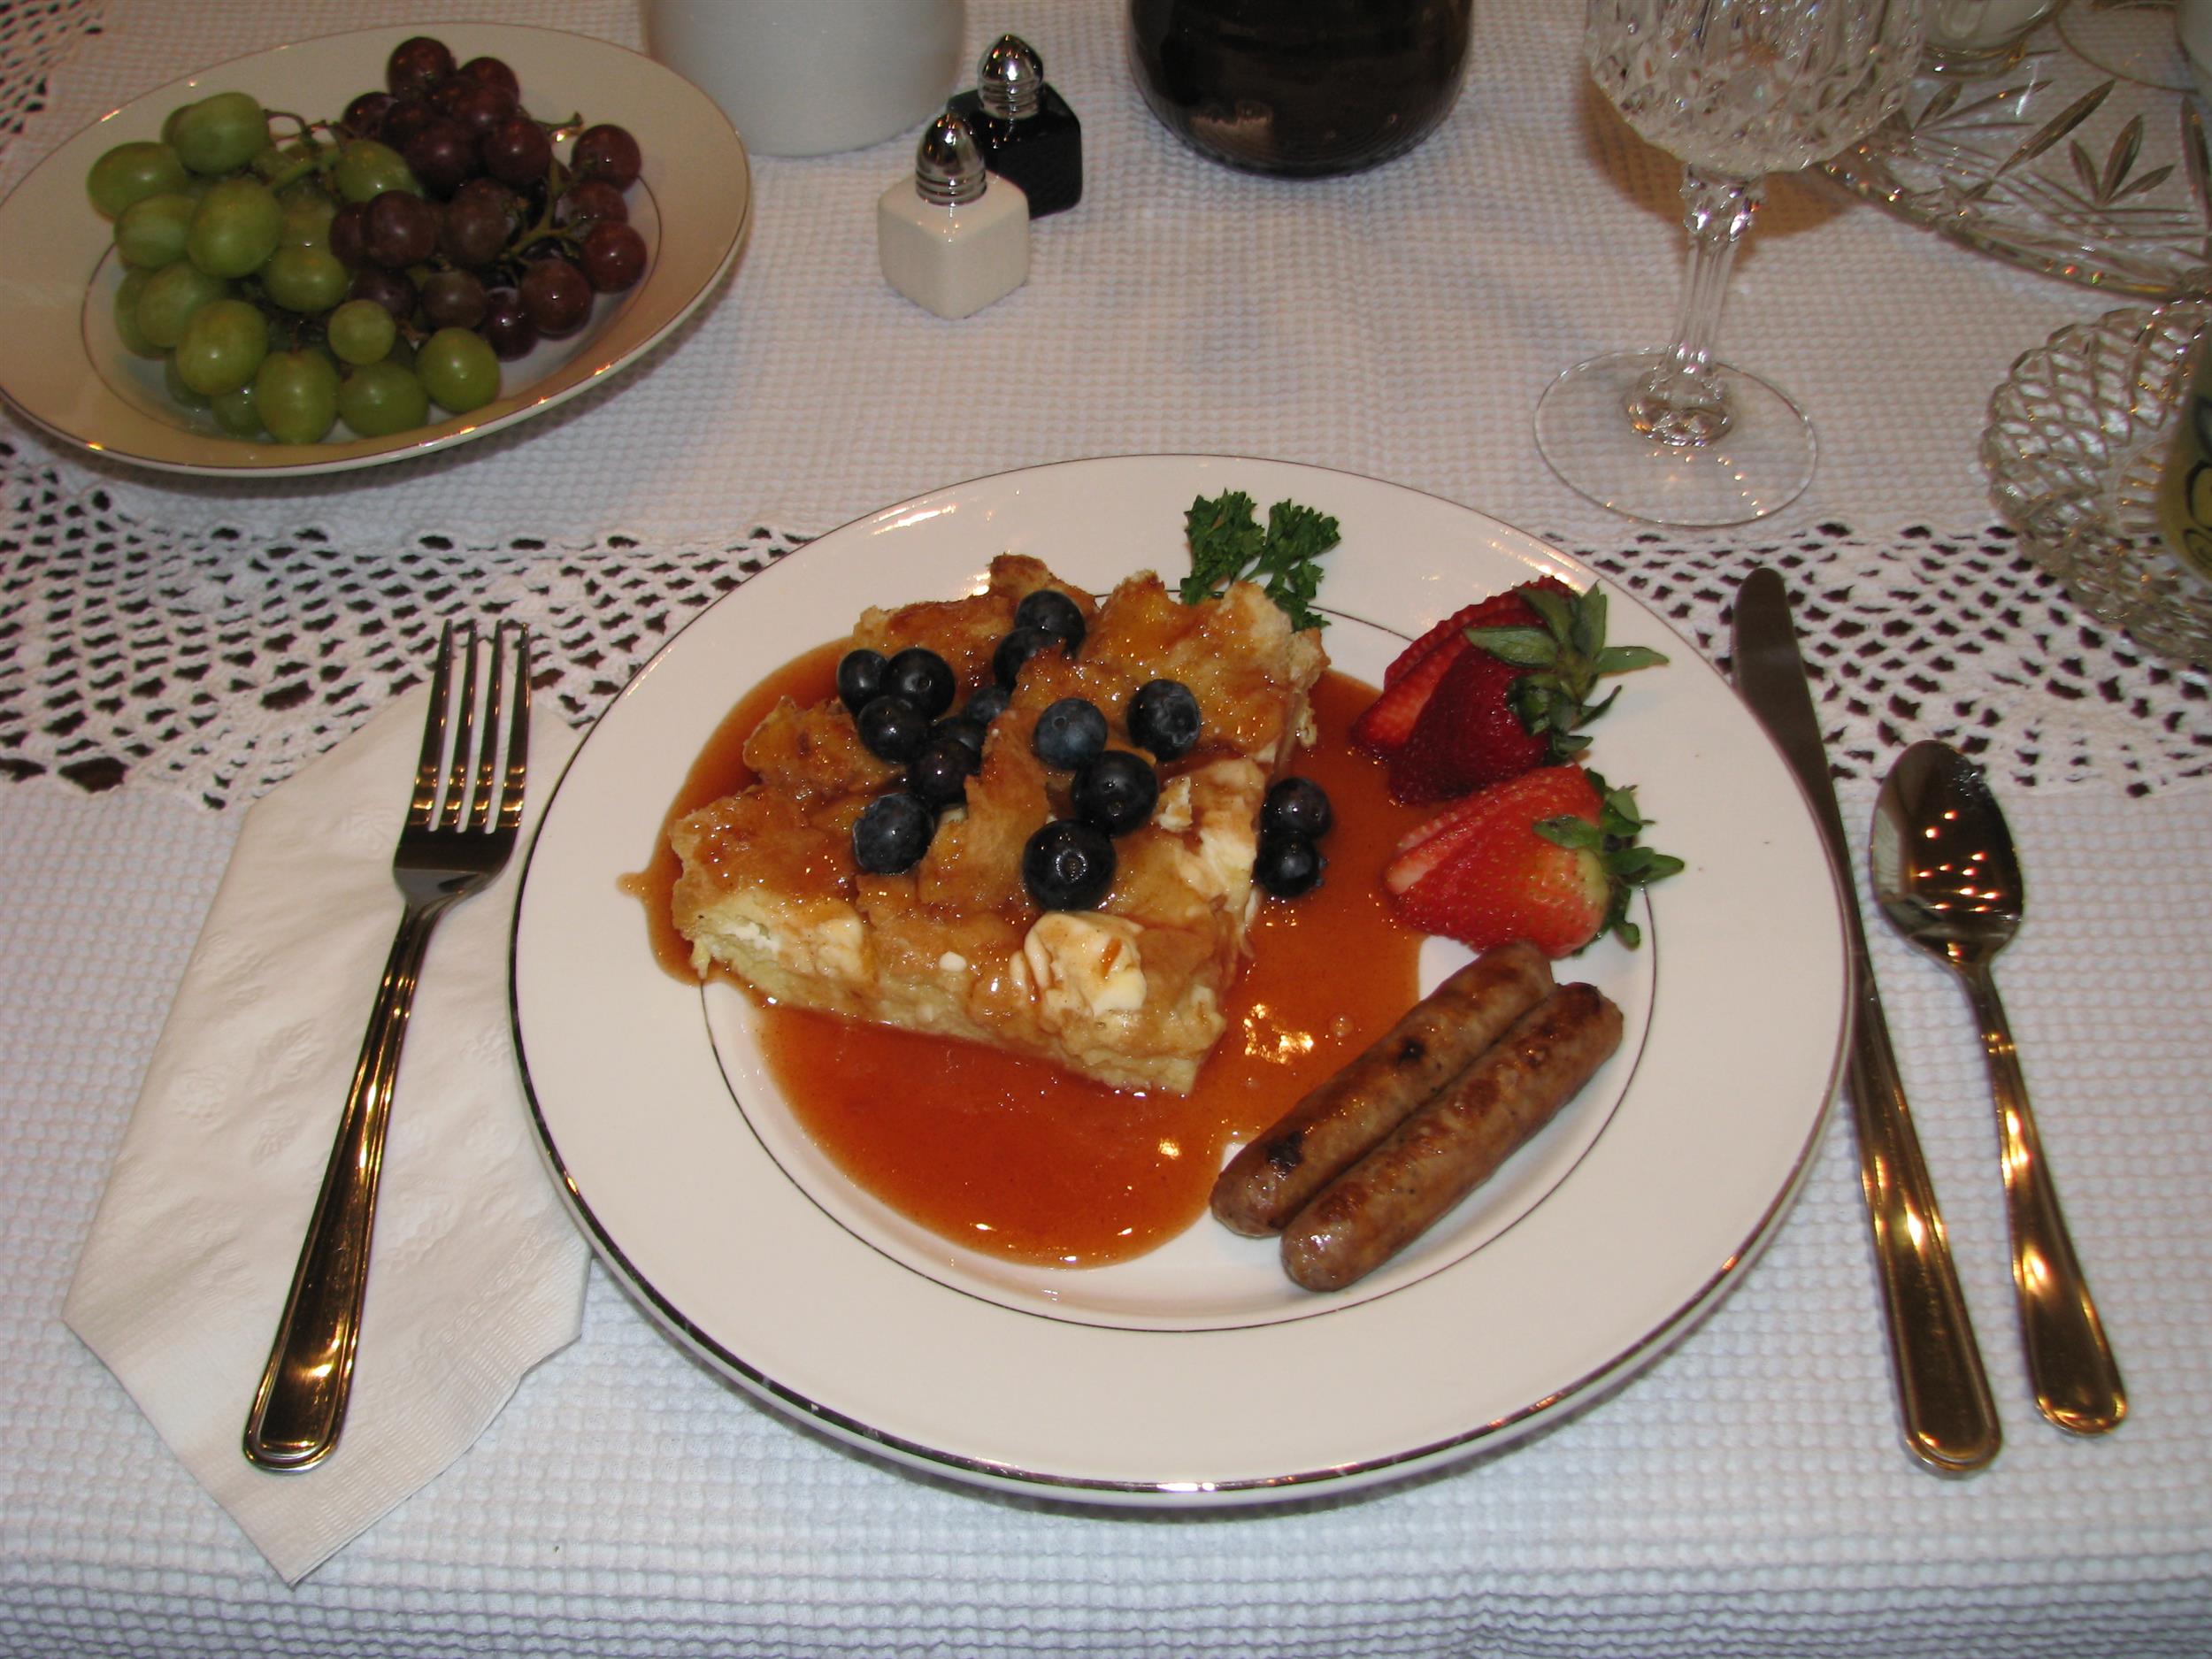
column 477, row 1272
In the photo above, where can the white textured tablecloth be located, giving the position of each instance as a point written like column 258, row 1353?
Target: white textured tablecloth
column 1747, row 1497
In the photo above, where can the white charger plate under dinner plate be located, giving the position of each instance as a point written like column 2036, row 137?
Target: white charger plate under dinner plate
column 66, row 371
column 1197, row 1373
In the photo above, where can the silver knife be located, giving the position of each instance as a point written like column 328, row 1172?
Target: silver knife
column 1950, row 1419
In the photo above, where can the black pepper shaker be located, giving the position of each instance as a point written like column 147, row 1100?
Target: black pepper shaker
column 1028, row 134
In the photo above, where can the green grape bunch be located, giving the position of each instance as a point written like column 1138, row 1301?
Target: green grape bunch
column 376, row 269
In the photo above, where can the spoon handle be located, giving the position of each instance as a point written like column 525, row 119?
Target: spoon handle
column 2077, row 1381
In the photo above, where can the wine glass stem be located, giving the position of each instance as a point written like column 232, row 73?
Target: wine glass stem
column 1683, row 401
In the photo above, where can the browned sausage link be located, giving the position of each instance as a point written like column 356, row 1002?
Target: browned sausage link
column 1453, row 1143
column 1267, row 1183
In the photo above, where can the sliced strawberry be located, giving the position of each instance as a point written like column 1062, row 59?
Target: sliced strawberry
column 1549, row 857
column 1384, row 726
column 1421, row 849
column 1519, row 699
column 1499, row 611
column 1562, row 658
column 1469, row 735
column 1409, row 682
column 1488, row 877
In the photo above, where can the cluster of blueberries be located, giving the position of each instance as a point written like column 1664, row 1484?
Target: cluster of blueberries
column 899, row 705
column 1293, row 819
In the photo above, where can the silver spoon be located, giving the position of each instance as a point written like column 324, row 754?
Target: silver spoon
column 1945, row 874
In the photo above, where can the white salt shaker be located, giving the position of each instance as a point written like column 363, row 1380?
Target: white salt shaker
column 953, row 238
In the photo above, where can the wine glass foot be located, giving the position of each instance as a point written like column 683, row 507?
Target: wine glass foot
column 1760, row 465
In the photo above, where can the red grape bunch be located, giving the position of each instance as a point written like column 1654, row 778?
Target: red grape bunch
column 366, row 268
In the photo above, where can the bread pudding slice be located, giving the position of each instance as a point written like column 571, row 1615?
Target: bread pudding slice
column 1130, row 992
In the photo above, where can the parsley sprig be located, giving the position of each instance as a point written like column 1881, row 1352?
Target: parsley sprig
column 1227, row 545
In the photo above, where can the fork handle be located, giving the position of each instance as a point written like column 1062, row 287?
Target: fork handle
column 300, row 1407
column 2077, row 1381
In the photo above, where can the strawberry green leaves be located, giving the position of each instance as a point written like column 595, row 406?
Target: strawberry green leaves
column 1563, row 656
column 1612, row 840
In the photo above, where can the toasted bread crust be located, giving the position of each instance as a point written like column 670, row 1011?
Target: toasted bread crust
column 1131, row 994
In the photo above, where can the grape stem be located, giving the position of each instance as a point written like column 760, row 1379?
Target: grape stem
column 556, row 180
column 299, row 170
column 319, row 158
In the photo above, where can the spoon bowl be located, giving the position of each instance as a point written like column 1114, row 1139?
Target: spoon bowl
column 1945, row 873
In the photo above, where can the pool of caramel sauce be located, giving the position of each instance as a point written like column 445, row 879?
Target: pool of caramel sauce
column 1015, row 1157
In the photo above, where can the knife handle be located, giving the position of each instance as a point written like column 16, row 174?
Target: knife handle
column 1950, row 1420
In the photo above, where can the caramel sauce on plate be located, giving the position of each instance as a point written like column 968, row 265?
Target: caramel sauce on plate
column 1010, row 1154
column 720, row 769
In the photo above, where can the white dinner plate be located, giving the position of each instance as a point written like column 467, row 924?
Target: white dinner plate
column 65, row 370
column 1197, row 1373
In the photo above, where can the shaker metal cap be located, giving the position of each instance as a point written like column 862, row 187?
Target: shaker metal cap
column 949, row 164
column 1010, row 78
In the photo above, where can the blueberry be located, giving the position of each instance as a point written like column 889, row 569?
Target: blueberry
column 965, row 730
column 1296, row 806
column 1116, row 792
column 1056, row 613
column 892, row 728
column 987, row 704
column 1017, row 649
column 1070, row 734
column 860, row 678
column 892, row 835
column 1288, row 866
column 1164, row 717
column 1068, row 866
column 923, row 677
column 939, row 773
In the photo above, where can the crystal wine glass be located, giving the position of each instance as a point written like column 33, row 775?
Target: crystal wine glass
column 1736, row 88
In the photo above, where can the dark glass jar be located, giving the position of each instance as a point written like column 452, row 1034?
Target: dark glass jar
column 1300, row 87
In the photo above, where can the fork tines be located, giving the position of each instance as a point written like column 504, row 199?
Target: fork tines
column 476, row 741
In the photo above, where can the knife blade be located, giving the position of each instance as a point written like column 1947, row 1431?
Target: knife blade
column 1950, row 1422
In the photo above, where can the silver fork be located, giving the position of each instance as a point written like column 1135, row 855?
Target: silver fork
column 460, row 828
